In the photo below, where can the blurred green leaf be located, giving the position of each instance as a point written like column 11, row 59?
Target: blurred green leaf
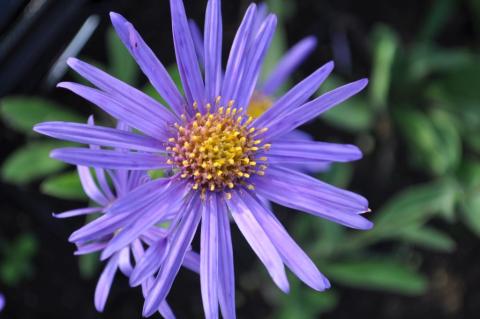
column 438, row 16
column 22, row 113
column 425, row 60
column 385, row 45
column 434, row 142
column 65, row 186
column 88, row 265
column 17, row 258
column 303, row 303
column 383, row 275
column 122, row 65
column 429, row 238
column 469, row 177
column 31, row 162
column 275, row 53
column 154, row 174
column 284, row 9
column 414, row 206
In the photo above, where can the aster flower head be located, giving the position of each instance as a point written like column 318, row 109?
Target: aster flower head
column 223, row 162
column 103, row 188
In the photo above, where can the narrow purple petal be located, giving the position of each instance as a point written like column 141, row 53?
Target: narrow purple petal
column 285, row 152
column 213, row 49
column 295, row 97
column 105, row 225
column 293, row 256
column 119, row 90
column 209, row 257
column 180, row 240
column 86, row 249
column 259, row 241
column 149, row 263
column 124, row 263
column 307, row 112
column 90, row 187
column 109, row 159
column 2, row 302
column 304, row 193
column 166, row 311
column 78, row 212
column 186, row 57
column 226, row 280
column 169, row 200
column 235, row 64
column 288, row 64
column 192, row 261
column 135, row 115
column 99, row 135
column 256, row 55
column 148, row 62
column 105, row 283
column 197, row 38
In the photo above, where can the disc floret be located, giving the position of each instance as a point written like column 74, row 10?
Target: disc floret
column 218, row 150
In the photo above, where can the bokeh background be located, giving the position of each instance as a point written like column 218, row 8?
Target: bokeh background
column 418, row 124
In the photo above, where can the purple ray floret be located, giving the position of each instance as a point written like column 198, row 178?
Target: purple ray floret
column 220, row 161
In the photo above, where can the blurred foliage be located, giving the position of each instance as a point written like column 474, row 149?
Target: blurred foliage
column 16, row 259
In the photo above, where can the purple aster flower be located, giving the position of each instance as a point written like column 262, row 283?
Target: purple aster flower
column 222, row 161
column 97, row 236
column 2, row 302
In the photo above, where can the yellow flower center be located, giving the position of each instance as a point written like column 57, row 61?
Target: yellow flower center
column 217, row 150
column 258, row 105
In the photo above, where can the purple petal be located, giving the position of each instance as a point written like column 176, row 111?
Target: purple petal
column 180, row 240
column 209, row 257
column 259, row 241
column 289, row 63
column 254, row 60
column 166, row 311
column 197, row 38
column 2, row 302
column 119, row 90
column 298, row 152
column 302, row 192
column 235, row 64
column 86, row 249
column 213, row 49
column 105, row 225
column 78, row 212
column 135, row 115
column 109, row 159
column 295, row 97
column 226, row 280
column 301, row 115
column 149, row 263
column 90, row 187
column 105, row 283
column 169, row 200
column 148, row 62
column 186, row 58
column 192, row 261
column 99, row 135
column 124, row 262
column 291, row 253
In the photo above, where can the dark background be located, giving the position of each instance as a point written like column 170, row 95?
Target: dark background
column 29, row 46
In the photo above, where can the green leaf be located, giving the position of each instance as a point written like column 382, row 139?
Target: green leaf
column 437, row 19
column 88, row 265
column 469, row 177
column 154, row 174
column 382, row 275
column 414, row 206
column 275, row 53
column 16, row 263
column 429, row 238
column 284, row 9
column 385, row 46
column 121, row 63
column 31, row 162
column 65, row 186
column 152, row 92
column 434, row 142
column 22, row 113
